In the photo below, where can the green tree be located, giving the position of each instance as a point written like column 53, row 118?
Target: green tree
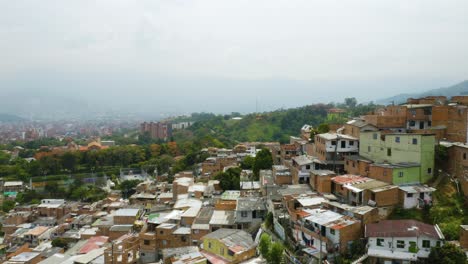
column 230, row 179
column 275, row 255
column 350, row 102
column 128, row 187
column 8, row 205
column 323, row 128
column 69, row 160
column 447, row 254
column 264, row 245
column 269, row 220
column 4, row 158
column 54, row 191
column 263, row 161
column 59, row 242
column 247, row 163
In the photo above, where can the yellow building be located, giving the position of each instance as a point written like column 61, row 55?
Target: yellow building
column 228, row 246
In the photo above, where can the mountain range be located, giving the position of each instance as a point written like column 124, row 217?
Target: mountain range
column 454, row 90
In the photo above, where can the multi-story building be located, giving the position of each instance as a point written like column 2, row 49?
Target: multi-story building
column 457, row 163
column 158, row 130
column 401, row 148
column 124, row 250
column 250, row 212
column 332, row 148
column 301, row 167
column 335, row 231
column 354, row 127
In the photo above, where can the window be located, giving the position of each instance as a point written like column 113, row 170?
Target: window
column 351, row 143
column 161, row 232
column 368, row 149
column 244, row 214
column 374, row 136
column 409, row 195
column 209, row 244
column 230, row 252
column 412, row 123
column 400, row 174
column 429, row 170
column 146, row 242
column 333, row 143
column 464, row 156
column 307, row 167
column 413, row 112
column 426, row 244
column 343, row 144
column 380, row 242
column 438, row 244
column 389, row 152
column 164, row 242
column 415, row 141
column 397, row 139
column 332, row 231
column 429, row 123
column 400, row 244
column 183, row 238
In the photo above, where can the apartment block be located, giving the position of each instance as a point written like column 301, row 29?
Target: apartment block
column 395, row 148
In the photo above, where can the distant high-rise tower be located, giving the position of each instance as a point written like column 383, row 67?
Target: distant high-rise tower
column 159, row 130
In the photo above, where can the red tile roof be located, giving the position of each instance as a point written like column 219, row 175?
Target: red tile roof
column 349, row 179
column 93, row 243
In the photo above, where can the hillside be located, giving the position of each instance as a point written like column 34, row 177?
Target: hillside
column 10, row 118
column 268, row 126
column 457, row 89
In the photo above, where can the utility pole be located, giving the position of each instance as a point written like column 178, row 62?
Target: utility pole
column 336, row 152
column 320, row 251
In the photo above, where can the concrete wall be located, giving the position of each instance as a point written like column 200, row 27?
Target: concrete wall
column 388, row 149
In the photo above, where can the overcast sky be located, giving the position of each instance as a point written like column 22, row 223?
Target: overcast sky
column 291, row 52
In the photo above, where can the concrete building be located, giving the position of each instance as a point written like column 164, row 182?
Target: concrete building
column 228, row 246
column 403, row 241
column 335, row 230
column 415, row 196
column 332, row 148
column 354, row 127
column 396, row 148
column 158, row 130
column 320, row 180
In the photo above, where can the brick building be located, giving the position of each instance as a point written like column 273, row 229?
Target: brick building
column 157, row 130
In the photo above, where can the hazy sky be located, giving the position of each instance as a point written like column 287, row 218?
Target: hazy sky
column 231, row 52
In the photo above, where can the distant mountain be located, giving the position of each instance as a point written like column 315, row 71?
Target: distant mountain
column 457, row 89
column 10, row 118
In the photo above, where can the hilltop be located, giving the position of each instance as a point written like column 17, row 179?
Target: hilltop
column 267, row 126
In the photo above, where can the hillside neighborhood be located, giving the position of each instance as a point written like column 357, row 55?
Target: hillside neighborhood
column 386, row 186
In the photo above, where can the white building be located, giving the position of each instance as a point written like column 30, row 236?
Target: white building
column 416, row 196
column 340, row 143
column 402, row 241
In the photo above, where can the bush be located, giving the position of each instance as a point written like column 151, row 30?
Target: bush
column 60, row 242
column 8, row 205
